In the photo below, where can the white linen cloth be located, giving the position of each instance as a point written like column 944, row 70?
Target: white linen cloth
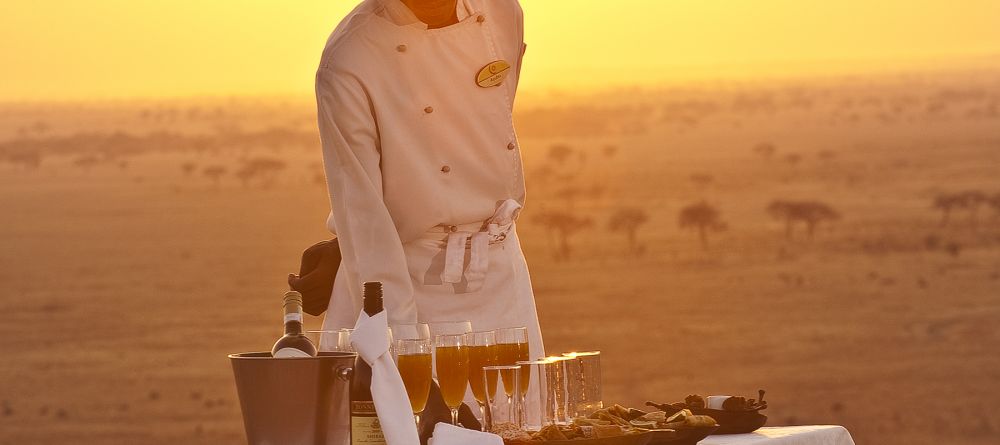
column 497, row 229
column 786, row 435
column 447, row 434
column 370, row 339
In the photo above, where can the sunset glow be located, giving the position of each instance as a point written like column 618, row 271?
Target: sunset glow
column 116, row 48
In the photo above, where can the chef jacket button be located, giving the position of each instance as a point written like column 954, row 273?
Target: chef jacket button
column 401, row 48
column 446, row 169
column 428, row 110
column 453, row 229
column 481, row 18
column 511, row 146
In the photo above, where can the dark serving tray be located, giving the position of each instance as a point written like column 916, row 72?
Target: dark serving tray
column 628, row 439
column 686, row 436
column 734, row 422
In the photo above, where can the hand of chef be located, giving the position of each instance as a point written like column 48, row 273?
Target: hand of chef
column 316, row 275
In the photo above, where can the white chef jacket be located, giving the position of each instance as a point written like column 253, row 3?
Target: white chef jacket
column 411, row 142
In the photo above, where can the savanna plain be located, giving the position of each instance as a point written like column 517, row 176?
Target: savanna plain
column 833, row 241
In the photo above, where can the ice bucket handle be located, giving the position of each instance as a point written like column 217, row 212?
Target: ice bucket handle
column 344, row 373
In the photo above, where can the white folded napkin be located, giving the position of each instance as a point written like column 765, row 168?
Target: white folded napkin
column 448, row 434
column 371, row 340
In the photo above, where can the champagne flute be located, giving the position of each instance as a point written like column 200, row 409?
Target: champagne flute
column 512, row 347
column 414, row 362
column 482, row 353
column 452, row 359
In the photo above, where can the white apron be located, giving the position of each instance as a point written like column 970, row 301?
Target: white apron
column 413, row 145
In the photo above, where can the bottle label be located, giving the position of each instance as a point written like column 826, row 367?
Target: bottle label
column 294, row 316
column 365, row 427
column 290, row 352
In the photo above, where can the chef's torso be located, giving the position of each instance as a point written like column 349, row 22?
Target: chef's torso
column 449, row 154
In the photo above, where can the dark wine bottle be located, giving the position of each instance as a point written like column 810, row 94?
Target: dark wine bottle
column 365, row 429
column 294, row 343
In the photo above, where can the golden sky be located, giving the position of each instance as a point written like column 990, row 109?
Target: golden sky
column 85, row 49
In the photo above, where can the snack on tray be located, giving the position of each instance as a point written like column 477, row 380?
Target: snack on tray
column 694, row 401
column 608, row 431
column 510, row 432
column 550, row 432
column 731, row 403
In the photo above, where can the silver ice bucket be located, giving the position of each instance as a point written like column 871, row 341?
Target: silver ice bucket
column 294, row 401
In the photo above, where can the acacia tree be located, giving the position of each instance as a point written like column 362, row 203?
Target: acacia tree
column 188, row 168
column 974, row 199
column 946, row 203
column 811, row 213
column 629, row 220
column 702, row 180
column 215, row 173
column 765, row 150
column 994, row 201
column 969, row 200
column 263, row 167
column 563, row 226
column 703, row 218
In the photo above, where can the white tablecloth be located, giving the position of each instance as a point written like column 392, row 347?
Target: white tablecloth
column 786, row 435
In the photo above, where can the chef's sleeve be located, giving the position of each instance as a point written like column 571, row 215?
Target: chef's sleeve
column 369, row 241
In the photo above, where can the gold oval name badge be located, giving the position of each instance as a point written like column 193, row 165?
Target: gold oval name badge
column 492, row 74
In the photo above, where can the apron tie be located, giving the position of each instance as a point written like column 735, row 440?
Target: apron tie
column 496, row 231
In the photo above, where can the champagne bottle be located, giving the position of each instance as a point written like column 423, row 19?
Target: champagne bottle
column 365, row 429
column 294, row 343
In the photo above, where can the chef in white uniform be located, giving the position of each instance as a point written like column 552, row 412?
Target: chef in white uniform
column 423, row 166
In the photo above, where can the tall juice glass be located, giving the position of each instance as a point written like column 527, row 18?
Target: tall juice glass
column 413, row 358
column 452, row 360
column 482, row 353
column 512, row 347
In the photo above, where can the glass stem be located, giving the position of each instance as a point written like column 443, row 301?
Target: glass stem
column 416, row 419
column 454, row 416
column 486, row 422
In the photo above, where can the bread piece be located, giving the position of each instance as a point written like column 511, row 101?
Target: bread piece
column 699, row 421
column 608, row 431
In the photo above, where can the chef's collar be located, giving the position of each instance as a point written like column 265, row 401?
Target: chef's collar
column 400, row 14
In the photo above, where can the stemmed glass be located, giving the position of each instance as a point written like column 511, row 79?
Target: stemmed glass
column 512, row 347
column 452, row 361
column 482, row 353
column 338, row 340
column 413, row 358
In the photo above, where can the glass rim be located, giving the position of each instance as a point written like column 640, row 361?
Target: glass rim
column 413, row 340
column 501, row 367
column 436, row 336
column 581, row 354
column 414, row 353
column 533, row 362
column 511, row 328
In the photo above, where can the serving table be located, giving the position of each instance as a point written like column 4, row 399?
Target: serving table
column 786, row 435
